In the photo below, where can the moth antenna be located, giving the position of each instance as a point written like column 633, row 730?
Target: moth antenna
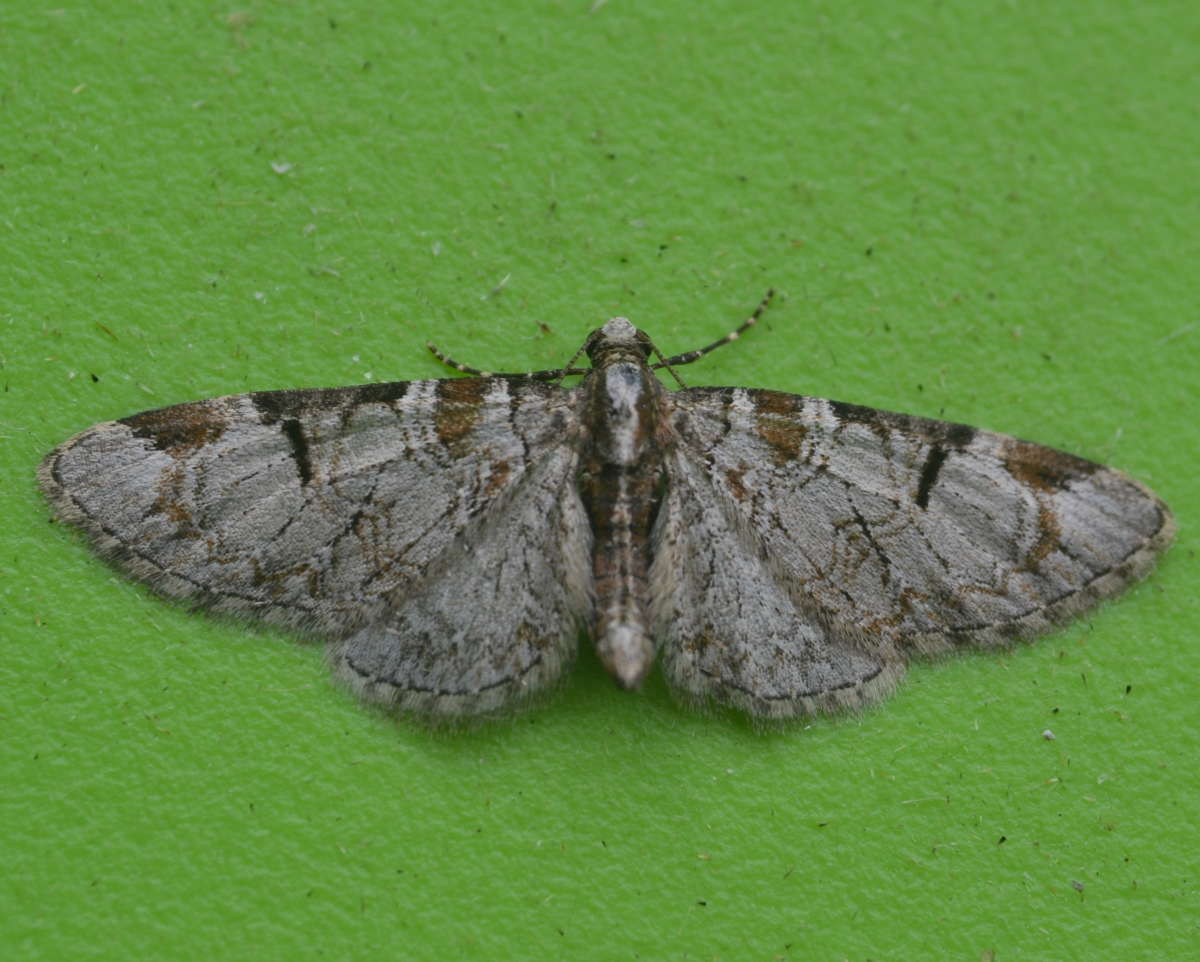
column 689, row 356
column 555, row 375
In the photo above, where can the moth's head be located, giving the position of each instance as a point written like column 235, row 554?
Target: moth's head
column 618, row 334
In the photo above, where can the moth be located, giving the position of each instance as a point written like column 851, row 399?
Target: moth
column 777, row 554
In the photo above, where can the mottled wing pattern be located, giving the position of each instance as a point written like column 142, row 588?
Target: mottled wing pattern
column 447, row 538
column 496, row 619
column 332, row 511
column 925, row 535
column 729, row 630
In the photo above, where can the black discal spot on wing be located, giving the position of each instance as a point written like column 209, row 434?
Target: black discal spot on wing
column 294, row 432
column 929, row 474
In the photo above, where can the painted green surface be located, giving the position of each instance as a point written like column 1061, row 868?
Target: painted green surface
column 975, row 211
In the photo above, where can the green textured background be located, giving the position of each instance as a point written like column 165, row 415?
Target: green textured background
column 985, row 211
